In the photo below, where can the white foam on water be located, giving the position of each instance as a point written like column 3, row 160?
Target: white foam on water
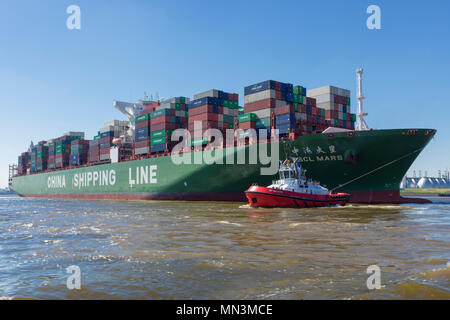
column 229, row 223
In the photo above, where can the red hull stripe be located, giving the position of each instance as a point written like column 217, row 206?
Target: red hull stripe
column 227, row 196
column 374, row 197
column 292, row 197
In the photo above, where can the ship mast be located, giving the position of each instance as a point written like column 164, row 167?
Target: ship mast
column 361, row 123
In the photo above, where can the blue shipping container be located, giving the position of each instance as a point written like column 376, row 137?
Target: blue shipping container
column 141, row 137
column 142, row 131
column 262, row 86
column 203, row 101
column 285, row 119
column 106, row 134
column 74, row 159
column 158, row 147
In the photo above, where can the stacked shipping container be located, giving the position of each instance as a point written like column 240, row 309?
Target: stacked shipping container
column 23, row 162
column 170, row 115
column 51, row 155
column 142, row 134
column 112, row 129
column 79, row 152
column 41, row 156
column 336, row 102
column 215, row 109
column 291, row 109
column 94, row 150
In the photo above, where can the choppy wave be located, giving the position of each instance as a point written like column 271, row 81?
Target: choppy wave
column 184, row 250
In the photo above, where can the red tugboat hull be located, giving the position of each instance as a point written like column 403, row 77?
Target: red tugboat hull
column 263, row 197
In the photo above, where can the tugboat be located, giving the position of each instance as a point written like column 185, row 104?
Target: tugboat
column 293, row 190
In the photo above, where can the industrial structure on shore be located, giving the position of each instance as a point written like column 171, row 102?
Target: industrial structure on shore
column 442, row 181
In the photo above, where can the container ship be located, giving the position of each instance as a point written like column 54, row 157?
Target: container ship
column 133, row 160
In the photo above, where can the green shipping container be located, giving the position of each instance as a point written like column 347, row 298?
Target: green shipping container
column 60, row 148
column 160, row 134
column 144, row 117
column 353, row 117
column 263, row 123
column 247, row 117
column 336, row 122
column 348, row 101
column 158, row 141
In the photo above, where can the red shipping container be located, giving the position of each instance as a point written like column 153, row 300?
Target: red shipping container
column 204, row 117
column 142, row 144
column 106, row 140
column 142, row 124
column 104, row 151
column 247, row 125
column 233, row 97
column 310, row 101
column 259, row 105
column 159, row 120
column 204, row 124
column 287, row 109
column 165, row 126
column 302, row 108
column 277, row 86
column 278, row 95
column 208, row 108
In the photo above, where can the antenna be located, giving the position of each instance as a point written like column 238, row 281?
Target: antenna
column 361, row 123
column 145, row 96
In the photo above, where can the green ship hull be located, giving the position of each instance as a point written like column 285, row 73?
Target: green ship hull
column 367, row 164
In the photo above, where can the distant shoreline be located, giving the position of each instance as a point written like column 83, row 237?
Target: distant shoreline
column 426, row 192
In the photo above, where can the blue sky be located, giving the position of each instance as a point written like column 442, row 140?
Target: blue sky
column 53, row 80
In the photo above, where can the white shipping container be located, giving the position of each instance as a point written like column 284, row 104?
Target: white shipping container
column 323, row 98
column 143, row 150
column 318, row 91
column 264, row 113
column 112, row 123
column 104, row 157
column 326, row 105
column 220, row 117
column 340, row 115
column 210, row 93
column 258, row 96
column 328, row 90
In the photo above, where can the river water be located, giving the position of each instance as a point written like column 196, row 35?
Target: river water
column 206, row 250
